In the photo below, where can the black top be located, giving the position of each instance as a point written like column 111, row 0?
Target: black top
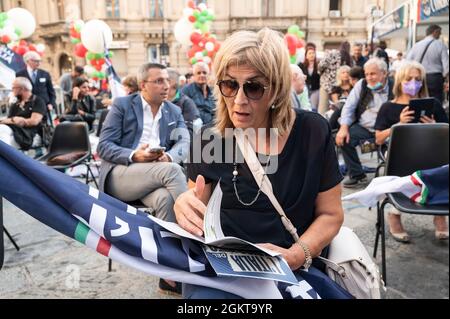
column 307, row 166
column 24, row 135
column 312, row 80
column 389, row 115
column 342, row 93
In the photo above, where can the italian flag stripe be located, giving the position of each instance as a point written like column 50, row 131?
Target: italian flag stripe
column 89, row 238
column 81, row 233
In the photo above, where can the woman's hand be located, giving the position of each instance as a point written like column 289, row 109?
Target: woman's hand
column 294, row 256
column 406, row 116
column 190, row 210
column 426, row 119
column 75, row 93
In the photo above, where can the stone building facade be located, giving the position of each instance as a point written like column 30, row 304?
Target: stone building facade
column 140, row 27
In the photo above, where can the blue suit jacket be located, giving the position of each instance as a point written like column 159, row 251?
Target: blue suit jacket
column 43, row 86
column 122, row 131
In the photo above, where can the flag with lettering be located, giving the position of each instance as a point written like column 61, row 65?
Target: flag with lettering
column 10, row 64
column 114, row 81
column 119, row 231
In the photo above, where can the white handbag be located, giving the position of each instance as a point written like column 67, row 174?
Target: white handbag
column 348, row 263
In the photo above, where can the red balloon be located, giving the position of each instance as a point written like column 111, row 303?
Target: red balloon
column 191, row 4
column 196, row 37
column 21, row 50
column 75, row 34
column 5, row 39
column 101, row 61
column 292, row 51
column 290, row 40
column 104, row 85
column 191, row 53
column 32, row 47
column 98, row 67
column 192, row 19
column 80, row 50
column 23, row 43
column 217, row 47
column 211, row 54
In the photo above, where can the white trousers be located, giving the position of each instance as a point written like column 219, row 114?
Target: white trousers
column 7, row 136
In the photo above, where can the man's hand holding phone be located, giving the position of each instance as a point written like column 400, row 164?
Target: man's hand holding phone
column 144, row 154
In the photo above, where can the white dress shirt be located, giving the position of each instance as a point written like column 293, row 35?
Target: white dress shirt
column 150, row 133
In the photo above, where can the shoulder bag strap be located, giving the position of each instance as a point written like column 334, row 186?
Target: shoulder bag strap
column 425, row 51
column 259, row 175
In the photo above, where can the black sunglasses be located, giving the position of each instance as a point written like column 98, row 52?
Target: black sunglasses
column 252, row 90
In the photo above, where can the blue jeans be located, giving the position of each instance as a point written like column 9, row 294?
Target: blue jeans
column 351, row 158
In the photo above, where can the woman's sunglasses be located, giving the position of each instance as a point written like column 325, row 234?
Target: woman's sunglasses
column 252, row 90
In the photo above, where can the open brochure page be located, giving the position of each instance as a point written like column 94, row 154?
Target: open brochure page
column 231, row 256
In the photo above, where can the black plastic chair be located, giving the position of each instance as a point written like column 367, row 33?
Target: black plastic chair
column 412, row 147
column 71, row 137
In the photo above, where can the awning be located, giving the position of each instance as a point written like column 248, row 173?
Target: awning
column 395, row 20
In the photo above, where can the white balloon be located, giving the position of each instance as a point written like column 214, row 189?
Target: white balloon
column 187, row 12
column 40, row 47
column 209, row 46
column 207, row 60
column 183, row 30
column 95, row 35
column 199, row 55
column 202, row 6
column 89, row 69
column 23, row 20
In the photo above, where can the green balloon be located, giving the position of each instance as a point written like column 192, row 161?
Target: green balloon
column 205, row 13
column 3, row 16
column 78, row 26
column 293, row 59
column 75, row 41
column 301, row 34
column 2, row 24
column 293, row 29
column 198, row 25
column 194, row 61
column 202, row 19
column 99, row 56
column 196, row 14
column 90, row 56
column 204, row 28
column 205, row 52
column 18, row 32
column 211, row 17
column 111, row 54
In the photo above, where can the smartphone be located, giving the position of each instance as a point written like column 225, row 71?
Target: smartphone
column 421, row 107
column 157, row 150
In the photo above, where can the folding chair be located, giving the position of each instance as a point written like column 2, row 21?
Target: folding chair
column 412, row 147
column 4, row 230
column 70, row 137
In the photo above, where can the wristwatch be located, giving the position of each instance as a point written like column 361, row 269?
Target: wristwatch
column 308, row 258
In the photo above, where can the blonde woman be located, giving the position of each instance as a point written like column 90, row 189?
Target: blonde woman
column 343, row 85
column 410, row 83
column 253, row 93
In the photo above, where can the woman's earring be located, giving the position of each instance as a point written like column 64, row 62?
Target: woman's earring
column 273, row 107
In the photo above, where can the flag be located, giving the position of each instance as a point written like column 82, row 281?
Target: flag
column 114, row 81
column 119, row 231
column 423, row 187
column 10, row 64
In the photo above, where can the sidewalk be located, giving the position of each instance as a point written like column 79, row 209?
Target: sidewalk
column 50, row 265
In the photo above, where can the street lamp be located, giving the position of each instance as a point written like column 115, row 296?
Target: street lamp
column 163, row 49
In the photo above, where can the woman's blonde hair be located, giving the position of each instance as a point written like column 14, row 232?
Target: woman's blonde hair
column 344, row 68
column 402, row 73
column 266, row 52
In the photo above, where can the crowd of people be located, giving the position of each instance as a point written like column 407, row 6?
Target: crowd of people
column 147, row 138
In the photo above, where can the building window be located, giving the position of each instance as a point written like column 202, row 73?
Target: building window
column 335, row 5
column 268, row 8
column 197, row 2
column 60, row 6
column 156, row 9
column 153, row 53
column 112, row 8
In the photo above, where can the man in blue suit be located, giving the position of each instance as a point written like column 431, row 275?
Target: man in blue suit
column 136, row 127
column 41, row 80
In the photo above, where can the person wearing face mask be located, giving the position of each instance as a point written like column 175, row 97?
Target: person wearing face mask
column 25, row 116
column 358, row 117
column 410, row 83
